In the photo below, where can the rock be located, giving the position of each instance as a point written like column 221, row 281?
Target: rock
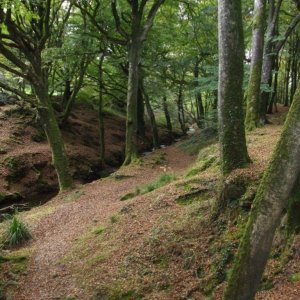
column 6, row 99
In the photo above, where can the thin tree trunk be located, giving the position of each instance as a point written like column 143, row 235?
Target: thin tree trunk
column 198, row 97
column 141, row 126
column 253, row 96
column 100, row 108
column 287, row 81
column 155, row 136
column 231, row 120
column 271, row 200
column 274, row 92
column 180, row 110
column 77, row 86
column 168, row 118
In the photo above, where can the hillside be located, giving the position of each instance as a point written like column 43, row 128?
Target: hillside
column 27, row 174
column 160, row 243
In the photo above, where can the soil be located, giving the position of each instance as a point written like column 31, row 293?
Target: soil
column 47, row 276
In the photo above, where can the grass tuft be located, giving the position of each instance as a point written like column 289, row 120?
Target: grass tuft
column 17, row 233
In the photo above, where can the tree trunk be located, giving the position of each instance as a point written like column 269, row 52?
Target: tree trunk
column 253, row 97
column 131, row 153
column 168, row 118
column 198, row 97
column 141, row 126
column 100, row 108
column 275, row 87
column 270, row 201
column 67, row 94
column 180, row 110
column 151, row 115
column 268, row 59
column 77, row 86
column 52, row 131
column 287, row 80
column 231, row 120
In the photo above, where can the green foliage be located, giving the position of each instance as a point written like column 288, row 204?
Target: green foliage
column 201, row 166
column 73, row 196
column 17, row 233
column 10, row 162
column 98, row 231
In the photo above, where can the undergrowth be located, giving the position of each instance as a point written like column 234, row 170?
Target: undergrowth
column 17, row 233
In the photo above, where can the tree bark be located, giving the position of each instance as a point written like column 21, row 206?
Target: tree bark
column 233, row 147
column 198, row 97
column 100, row 108
column 131, row 153
column 155, row 136
column 253, row 97
column 180, row 110
column 269, row 204
column 168, row 118
column 54, row 137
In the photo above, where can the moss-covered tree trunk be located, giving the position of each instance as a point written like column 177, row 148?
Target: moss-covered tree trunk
column 230, row 109
column 131, row 153
column 253, row 96
column 54, row 137
column 271, row 200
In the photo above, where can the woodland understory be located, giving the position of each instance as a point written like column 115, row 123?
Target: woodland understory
column 149, row 149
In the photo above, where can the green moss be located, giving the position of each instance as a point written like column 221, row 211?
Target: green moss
column 74, row 196
column 201, row 166
column 112, row 293
column 163, row 180
column 114, row 218
column 98, row 231
column 295, row 277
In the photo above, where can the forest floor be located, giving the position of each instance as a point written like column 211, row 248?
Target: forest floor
column 158, row 242
column 27, row 174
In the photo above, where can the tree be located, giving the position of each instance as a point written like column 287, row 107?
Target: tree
column 231, row 54
column 136, row 37
column 270, row 201
column 253, row 96
column 272, row 49
column 26, row 28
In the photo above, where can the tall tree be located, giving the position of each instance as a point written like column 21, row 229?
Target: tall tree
column 231, row 54
column 270, row 201
column 138, row 33
column 26, row 26
column 253, row 96
column 272, row 49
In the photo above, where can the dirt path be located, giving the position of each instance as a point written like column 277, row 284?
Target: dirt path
column 46, row 276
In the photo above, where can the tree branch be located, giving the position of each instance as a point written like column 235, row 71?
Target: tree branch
column 289, row 30
column 119, row 28
column 150, row 18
